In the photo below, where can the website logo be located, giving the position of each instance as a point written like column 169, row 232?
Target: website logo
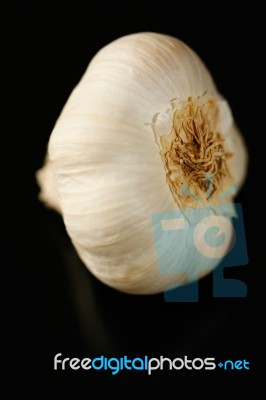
column 149, row 365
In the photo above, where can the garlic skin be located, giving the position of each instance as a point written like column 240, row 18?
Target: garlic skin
column 127, row 145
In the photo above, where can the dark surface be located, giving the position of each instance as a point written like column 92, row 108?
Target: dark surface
column 53, row 303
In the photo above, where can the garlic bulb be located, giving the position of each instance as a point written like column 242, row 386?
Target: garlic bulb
column 144, row 132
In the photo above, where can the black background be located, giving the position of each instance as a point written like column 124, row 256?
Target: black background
column 52, row 302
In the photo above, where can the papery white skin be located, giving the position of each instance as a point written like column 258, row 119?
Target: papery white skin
column 104, row 171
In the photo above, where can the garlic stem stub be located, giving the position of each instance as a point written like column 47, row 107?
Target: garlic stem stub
column 144, row 132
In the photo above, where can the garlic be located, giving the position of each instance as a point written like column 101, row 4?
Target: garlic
column 144, row 132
